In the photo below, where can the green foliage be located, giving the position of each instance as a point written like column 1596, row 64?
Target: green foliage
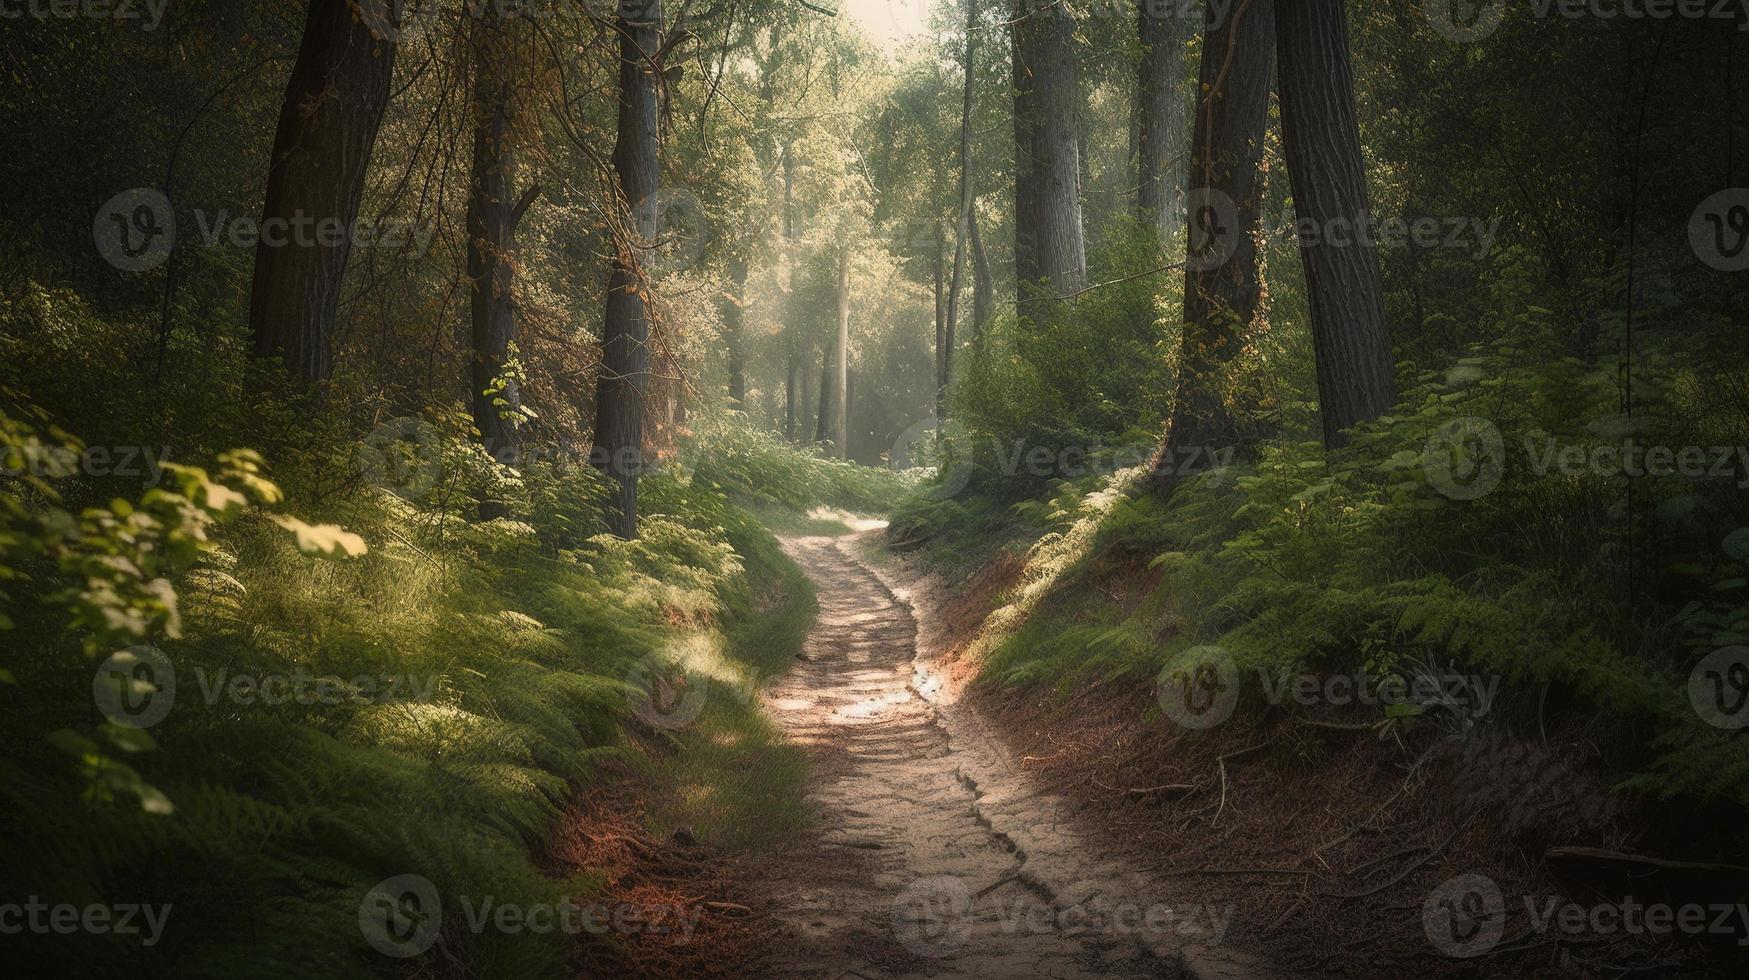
column 442, row 694
column 1090, row 375
column 758, row 468
column 1384, row 557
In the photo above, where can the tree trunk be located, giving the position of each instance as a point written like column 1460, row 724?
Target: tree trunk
column 1222, row 286
column 965, row 215
column 841, row 363
column 983, row 284
column 1161, row 117
column 941, row 351
column 322, row 144
column 823, row 420
column 625, row 353
column 492, row 212
column 791, row 431
column 1051, row 259
column 789, row 393
column 734, row 334
column 1321, row 136
column 806, row 421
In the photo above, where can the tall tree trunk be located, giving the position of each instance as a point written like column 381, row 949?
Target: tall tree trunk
column 823, row 420
column 734, row 331
column 322, row 144
column 965, row 214
column 1222, row 286
column 791, row 366
column 1047, row 115
column 492, row 214
column 841, row 363
column 983, row 283
column 1321, row 136
column 1162, row 122
column 941, row 350
column 807, row 420
column 791, row 429
column 1025, row 184
column 625, row 352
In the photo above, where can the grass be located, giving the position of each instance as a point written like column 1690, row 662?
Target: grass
column 1306, row 561
column 520, row 652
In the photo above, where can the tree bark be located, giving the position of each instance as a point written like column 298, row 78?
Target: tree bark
column 625, row 354
column 791, row 366
column 734, row 331
column 791, row 431
column 1222, row 284
column 823, row 420
column 983, row 284
column 1162, row 121
column 322, row 144
column 965, row 213
column 1051, row 258
column 941, row 349
column 492, row 211
column 841, row 363
column 1321, row 136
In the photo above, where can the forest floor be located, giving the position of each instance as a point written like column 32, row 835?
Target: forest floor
column 963, row 829
column 932, row 854
column 1322, row 850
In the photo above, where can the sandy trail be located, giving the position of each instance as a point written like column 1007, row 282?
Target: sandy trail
column 932, row 857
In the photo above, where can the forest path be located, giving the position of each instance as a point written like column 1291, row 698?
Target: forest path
column 930, row 856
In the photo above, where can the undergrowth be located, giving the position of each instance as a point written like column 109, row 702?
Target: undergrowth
column 1469, row 533
column 391, row 688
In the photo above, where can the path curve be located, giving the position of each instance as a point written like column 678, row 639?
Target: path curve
column 932, row 857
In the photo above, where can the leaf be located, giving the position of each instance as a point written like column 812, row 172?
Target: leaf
column 128, row 739
column 153, row 801
column 323, row 540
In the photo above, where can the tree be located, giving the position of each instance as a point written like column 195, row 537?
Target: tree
column 946, row 338
column 1321, row 138
column 493, row 213
column 943, row 345
column 625, row 352
column 1222, row 285
column 1160, row 113
column 983, row 283
column 735, row 332
column 322, row 144
column 792, row 357
column 1048, row 252
column 841, row 363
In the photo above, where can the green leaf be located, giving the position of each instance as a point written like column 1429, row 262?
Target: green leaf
column 323, row 540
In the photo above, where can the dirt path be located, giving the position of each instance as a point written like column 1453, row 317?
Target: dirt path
column 933, row 858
